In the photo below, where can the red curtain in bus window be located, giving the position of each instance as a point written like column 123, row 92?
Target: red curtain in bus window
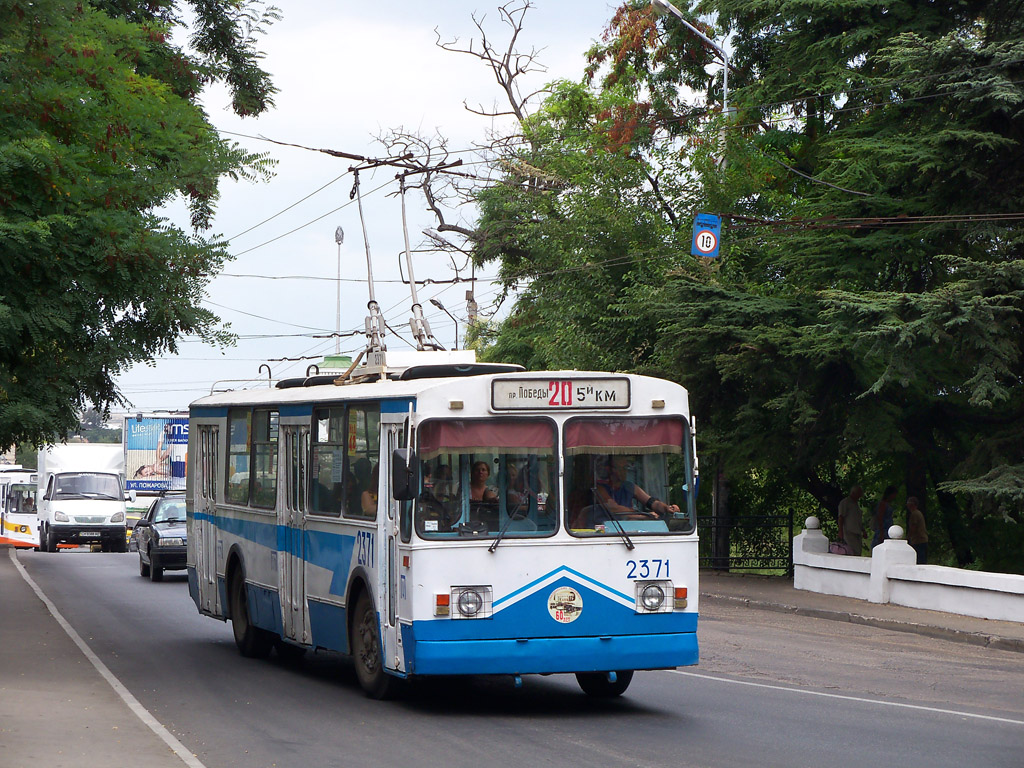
column 625, row 436
column 518, row 436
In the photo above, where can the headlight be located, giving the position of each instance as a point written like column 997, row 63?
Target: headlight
column 60, row 517
column 117, row 517
column 471, row 602
column 173, row 541
column 653, row 597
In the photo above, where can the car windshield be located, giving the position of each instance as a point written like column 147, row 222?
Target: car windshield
column 168, row 510
column 490, row 478
column 87, row 485
column 628, row 476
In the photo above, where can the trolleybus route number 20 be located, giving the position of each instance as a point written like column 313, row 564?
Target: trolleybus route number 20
column 563, row 394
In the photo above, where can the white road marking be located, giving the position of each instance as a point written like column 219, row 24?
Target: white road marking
column 859, row 699
column 133, row 704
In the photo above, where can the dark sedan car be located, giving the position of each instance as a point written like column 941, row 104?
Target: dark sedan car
column 161, row 538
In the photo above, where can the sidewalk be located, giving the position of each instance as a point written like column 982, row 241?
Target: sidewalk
column 776, row 593
column 56, row 710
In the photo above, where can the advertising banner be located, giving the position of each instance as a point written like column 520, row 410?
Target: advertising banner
column 155, row 451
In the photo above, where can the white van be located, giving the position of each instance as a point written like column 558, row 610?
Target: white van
column 81, row 496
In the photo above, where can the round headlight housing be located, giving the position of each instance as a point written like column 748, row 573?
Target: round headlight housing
column 470, row 602
column 652, row 597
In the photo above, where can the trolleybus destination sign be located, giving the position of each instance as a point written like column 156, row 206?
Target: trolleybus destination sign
column 559, row 394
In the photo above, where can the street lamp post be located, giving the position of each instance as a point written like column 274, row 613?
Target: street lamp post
column 663, row 7
column 441, row 306
column 339, row 238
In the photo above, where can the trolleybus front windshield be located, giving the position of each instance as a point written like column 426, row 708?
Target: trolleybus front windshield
column 628, row 475
column 493, row 477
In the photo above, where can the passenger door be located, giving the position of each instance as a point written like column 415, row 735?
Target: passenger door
column 394, row 656
column 291, row 518
column 204, row 527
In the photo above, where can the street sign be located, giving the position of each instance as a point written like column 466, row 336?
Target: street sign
column 707, row 229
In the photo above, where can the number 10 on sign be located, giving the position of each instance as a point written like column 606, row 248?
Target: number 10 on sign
column 706, row 234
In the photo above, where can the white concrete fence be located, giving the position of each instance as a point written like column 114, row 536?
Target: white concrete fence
column 891, row 575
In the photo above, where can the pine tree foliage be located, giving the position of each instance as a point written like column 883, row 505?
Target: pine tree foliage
column 99, row 128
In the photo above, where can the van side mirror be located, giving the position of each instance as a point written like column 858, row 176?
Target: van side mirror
column 404, row 474
column 130, row 496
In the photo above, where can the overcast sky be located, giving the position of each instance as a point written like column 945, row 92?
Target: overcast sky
column 347, row 72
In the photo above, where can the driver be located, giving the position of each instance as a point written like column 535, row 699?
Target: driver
column 616, row 493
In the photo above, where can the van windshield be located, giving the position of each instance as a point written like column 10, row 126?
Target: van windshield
column 487, row 478
column 87, row 485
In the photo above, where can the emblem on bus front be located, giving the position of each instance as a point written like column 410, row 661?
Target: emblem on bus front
column 565, row 605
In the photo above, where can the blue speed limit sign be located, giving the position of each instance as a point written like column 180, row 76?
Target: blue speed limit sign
column 706, row 234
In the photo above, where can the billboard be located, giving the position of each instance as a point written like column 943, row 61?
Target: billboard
column 155, row 452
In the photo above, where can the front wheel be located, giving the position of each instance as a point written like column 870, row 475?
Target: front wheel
column 366, row 652
column 42, row 539
column 143, row 568
column 596, row 684
column 51, row 540
column 156, row 573
column 252, row 641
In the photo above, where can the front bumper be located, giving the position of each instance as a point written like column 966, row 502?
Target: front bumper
column 549, row 655
column 169, row 558
column 89, row 534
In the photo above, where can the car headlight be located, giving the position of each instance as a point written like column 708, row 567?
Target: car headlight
column 654, row 597
column 172, row 541
column 117, row 517
column 60, row 517
column 472, row 602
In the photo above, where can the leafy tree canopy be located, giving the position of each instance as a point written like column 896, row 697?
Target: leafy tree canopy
column 100, row 127
column 863, row 324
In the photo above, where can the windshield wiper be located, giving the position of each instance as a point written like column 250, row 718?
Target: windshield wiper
column 618, row 526
column 501, row 533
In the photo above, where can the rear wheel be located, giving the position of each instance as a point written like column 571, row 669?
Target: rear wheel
column 251, row 640
column 366, row 652
column 596, row 684
column 143, row 568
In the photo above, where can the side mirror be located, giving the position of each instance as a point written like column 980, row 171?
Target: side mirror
column 404, row 474
column 142, row 524
column 130, row 496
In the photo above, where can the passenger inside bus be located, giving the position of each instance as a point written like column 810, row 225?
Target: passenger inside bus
column 368, row 500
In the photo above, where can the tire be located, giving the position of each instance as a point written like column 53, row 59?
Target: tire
column 252, row 642
column 51, row 540
column 42, row 539
column 366, row 652
column 156, row 573
column 121, row 545
column 596, row 683
column 143, row 568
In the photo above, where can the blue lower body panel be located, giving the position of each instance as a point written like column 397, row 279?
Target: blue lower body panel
column 542, row 655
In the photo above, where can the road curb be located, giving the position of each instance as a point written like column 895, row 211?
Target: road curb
column 943, row 633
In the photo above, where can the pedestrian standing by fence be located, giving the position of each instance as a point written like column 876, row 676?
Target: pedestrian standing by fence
column 882, row 519
column 917, row 534
column 851, row 526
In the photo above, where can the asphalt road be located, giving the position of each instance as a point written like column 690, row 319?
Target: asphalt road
column 771, row 690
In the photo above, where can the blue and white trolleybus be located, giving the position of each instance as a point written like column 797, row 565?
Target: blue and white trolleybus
column 448, row 517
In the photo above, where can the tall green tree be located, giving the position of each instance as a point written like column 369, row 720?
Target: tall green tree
column 100, row 126
column 864, row 321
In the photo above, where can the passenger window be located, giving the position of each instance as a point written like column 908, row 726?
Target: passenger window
column 239, row 434
column 362, row 461
column 328, row 470
column 265, row 431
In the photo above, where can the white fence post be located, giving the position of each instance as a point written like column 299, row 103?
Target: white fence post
column 892, row 551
